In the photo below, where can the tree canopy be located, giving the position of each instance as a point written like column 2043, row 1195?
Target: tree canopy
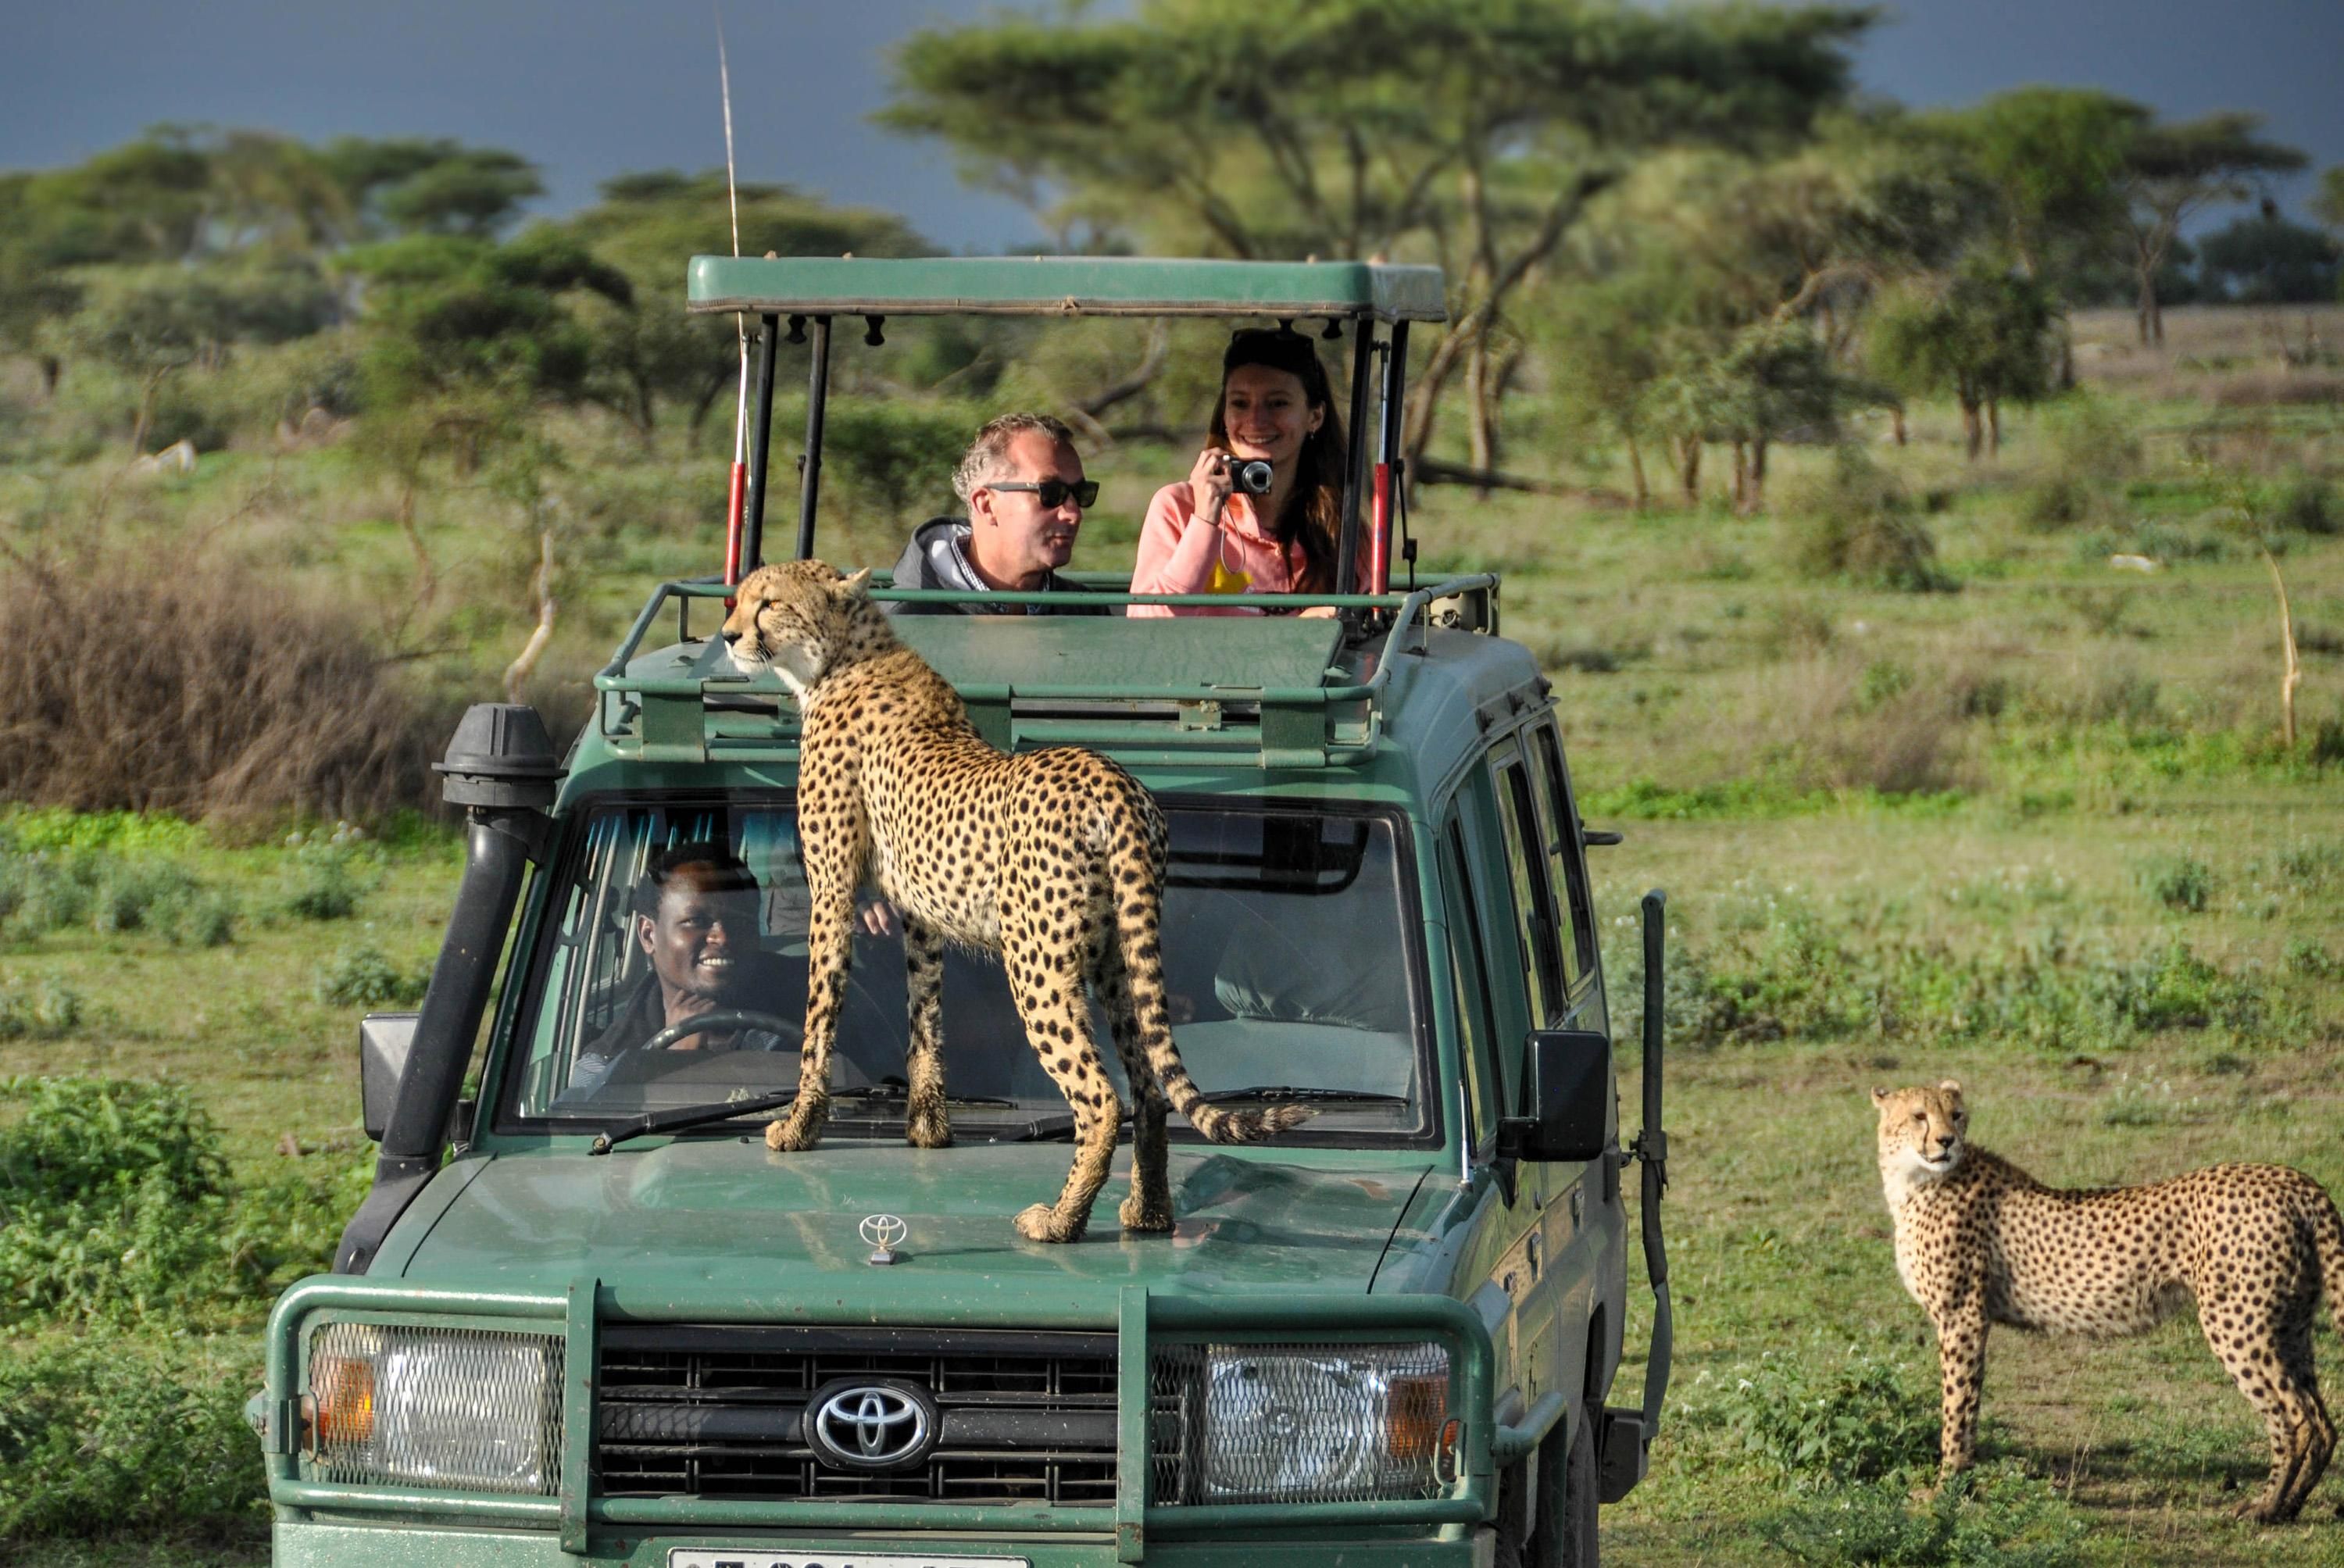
column 1470, row 135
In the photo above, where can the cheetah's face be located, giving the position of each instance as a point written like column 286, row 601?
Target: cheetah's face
column 1922, row 1129
column 791, row 618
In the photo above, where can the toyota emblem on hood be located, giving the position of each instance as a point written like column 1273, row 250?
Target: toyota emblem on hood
column 853, row 1425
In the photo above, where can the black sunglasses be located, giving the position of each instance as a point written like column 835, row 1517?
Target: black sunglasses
column 1053, row 492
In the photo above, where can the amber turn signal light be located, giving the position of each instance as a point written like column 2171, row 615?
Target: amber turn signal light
column 1413, row 1416
column 342, row 1390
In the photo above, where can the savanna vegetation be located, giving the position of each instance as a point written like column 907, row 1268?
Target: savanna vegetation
column 1933, row 525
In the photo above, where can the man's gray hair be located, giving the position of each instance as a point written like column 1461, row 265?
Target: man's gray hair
column 988, row 458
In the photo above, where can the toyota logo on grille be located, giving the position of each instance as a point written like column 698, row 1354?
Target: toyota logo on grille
column 870, row 1425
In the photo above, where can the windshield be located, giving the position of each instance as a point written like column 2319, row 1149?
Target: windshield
column 1289, row 949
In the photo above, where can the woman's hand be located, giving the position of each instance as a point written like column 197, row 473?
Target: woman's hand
column 1209, row 484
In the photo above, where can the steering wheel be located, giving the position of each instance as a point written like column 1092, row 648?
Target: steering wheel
column 720, row 1021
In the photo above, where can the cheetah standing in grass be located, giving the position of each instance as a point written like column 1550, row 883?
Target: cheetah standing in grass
column 1052, row 859
column 1979, row 1241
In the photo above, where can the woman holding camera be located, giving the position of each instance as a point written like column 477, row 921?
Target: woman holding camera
column 1229, row 528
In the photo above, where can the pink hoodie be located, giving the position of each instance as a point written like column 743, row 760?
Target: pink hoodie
column 1179, row 555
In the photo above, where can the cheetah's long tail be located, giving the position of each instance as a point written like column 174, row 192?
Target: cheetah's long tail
column 2327, row 1235
column 1135, row 856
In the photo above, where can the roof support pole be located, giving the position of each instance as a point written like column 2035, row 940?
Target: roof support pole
column 761, row 444
column 1347, row 550
column 809, row 466
column 1392, row 465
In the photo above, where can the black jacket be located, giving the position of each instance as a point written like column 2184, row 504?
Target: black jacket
column 937, row 557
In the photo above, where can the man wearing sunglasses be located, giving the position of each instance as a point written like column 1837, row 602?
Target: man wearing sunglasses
column 1024, row 484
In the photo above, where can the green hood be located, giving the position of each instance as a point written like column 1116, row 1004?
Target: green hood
column 702, row 1214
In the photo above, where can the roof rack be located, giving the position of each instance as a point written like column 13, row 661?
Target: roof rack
column 1268, row 691
column 1063, row 286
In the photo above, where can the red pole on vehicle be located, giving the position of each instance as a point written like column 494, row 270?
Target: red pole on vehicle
column 1379, row 535
column 732, row 509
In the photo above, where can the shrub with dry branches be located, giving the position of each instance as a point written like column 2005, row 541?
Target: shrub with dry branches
column 198, row 690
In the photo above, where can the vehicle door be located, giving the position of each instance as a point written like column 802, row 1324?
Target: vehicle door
column 1580, row 1217
column 1518, row 978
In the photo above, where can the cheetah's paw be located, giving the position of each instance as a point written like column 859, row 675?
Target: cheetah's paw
column 1146, row 1214
column 1040, row 1222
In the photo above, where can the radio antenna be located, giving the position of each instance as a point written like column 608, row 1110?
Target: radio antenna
column 740, row 330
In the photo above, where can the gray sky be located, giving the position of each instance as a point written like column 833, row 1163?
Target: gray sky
column 590, row 88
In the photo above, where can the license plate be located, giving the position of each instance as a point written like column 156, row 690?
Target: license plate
column 765, row 1557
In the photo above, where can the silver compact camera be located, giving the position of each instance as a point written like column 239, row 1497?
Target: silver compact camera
column 1250, row 475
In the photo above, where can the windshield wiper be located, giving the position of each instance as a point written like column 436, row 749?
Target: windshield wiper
column 892, row 1091
column 1051, row 1129
column 688, row 1117
column 1287, row 1092
column 702, row 1114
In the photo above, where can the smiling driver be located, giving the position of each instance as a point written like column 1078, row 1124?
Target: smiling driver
column 694, row 916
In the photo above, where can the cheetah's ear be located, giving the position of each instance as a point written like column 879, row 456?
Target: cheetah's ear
column 855, row 587
column 1950, row 1087
column 1880, row 1096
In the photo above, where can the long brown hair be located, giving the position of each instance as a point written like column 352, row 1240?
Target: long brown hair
column 1313, row 513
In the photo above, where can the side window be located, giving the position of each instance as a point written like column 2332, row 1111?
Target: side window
column 1467, row 973
column 1534, row 901
column 1566, row 871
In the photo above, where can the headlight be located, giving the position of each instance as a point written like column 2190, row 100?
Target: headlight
column 463, row 1409
column 1301, row 1423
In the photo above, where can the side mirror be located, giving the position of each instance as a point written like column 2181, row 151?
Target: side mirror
column 1574, row 1103
column 384, row 1039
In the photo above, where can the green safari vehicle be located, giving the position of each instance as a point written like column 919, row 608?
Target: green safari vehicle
column 585, row 1317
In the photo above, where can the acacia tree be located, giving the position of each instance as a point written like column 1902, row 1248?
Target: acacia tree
column 646, row 351
column 1984, row 334
column 2172, row 171
column 2327, row 201
column 413, row 184
column 2266, row 260
column 2055, row 159
column 1473, row 136
column 1713, row 298
column 463, row 338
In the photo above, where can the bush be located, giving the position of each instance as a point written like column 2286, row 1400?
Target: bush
column 116, row 1205
column 364, row 977
column 2061, row 501
column 2308, row 505
column 1860, row 523
column 111, row 1195
column 246, row 705
column 1783, row 965
column 2305, row 957
column 2089, row 451
column 2090, row 441
column 47, row 890
column 898, row 457
column 114, row 1437
column 1981, row 1519
column 1860, row 1422
column 325, row 877
column 2177, row 881
column 48, row 1009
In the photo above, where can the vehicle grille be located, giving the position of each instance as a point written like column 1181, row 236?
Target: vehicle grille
column 687, row 1411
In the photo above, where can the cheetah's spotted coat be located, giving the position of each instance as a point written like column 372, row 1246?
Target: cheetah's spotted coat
column 1979, row 1241
column 1052, row 859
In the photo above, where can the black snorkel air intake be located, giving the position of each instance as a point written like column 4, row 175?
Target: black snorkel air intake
column 501, row 769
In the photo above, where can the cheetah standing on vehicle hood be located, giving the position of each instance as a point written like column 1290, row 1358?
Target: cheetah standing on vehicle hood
column 1052, row 859
column 1979, row 1241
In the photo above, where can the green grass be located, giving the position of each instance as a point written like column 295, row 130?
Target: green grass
column 1778, row 1239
